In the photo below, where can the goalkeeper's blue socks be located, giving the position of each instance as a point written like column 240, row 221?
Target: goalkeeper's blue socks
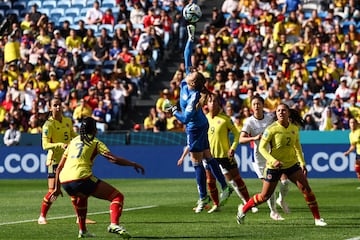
column 200, row 179
column 216, row 171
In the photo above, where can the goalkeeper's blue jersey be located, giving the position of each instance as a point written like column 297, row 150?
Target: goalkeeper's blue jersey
column 189, row 115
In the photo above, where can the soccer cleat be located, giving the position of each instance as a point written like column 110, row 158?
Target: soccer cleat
column 224, row 196
column 112, row 228
column 320, row 222
column 214, row 208
column 358, row 188
column 191, row 32
column 42, row 220
column 201, row 204
column 254, row 209
column 85, row 235
column 276, row 216
column 283, row 206
column 240, row 216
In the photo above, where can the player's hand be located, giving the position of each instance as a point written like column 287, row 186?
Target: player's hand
column 138, row 168
column 168, row 107
column 231, row 153
column 346, row 153
column 180, row 162
column 277, row 164
column 54, row 195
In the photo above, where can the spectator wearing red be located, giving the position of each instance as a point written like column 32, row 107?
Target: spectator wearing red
column 108, row 17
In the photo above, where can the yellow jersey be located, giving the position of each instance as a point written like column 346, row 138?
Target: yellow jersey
column 284, row 145
column 54, row 135
column 219, row 128
column 80, row 157
column 354, row 137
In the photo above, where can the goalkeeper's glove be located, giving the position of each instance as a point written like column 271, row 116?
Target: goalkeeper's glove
column 168, row 107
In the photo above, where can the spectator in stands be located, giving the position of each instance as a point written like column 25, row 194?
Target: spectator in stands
column 108, row 17
column 89, row 41
column 12, row 135
column 34, row 14
column 164, row 95
column 99, row 114
column 61, row 62
column 123, row 15
column 149, row 19
column 81, row 111
column 76, row 60
column 121, row 37
column 81, row 31
column 150, row 120
column 161, row 123
column 100, row 52
column 51, row 52
column 343, row 92
column 120, row 91
column 53, row 83
column 137, row 14
column 94, row 15
column 60, row 41
column 105, row 36
column 65, row 29
column 73, row 41
column 125, row 55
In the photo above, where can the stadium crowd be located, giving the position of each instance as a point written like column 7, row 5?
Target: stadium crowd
column 302, row 53
column 286, row 51
column 95, row 65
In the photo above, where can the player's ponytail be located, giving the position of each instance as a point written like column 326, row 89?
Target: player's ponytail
column 88, row 130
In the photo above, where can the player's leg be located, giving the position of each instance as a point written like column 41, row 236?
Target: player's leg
column 296, row 175
column 214, row 193
column 107, row 192
column 284, row 190
column 47, row 202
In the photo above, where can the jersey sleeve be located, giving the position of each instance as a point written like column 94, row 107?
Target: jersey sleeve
column 102, row 148
column 235, row 132
column 190, row 109
column 47, row 133
column 264, row 142
column 298, row 151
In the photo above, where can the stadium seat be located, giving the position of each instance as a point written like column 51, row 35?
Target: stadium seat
column 120, row 25
column 78, row 3
column 91, row 64
column 57, row 12
column 108, row 27
column 93, row 27
column 5, row 5
column 72, row 12
column 62, row 19
column 2, row 13
column 44, row 11
column 64, row 4
column 109, row 64
column 83, row 11
column 78, row 18
column 32, row 2
column 13, row 11
column 49, row 4
column 19, row 5
column 141, row 26
column 74, row 26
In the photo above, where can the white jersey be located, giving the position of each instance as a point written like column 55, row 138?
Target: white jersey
column 254, row 127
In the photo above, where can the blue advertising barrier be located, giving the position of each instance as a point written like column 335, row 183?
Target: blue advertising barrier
column 323, row 161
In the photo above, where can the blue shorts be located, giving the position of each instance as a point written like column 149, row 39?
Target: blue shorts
column 197, row 139
column 83, row 186
column 273, row 175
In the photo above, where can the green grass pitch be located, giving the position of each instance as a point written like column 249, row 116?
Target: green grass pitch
column 162, row 209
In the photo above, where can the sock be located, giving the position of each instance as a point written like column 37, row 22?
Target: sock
column 116, row 207
column 46, row 204
column 214, row 193
column 216, row 171
column 357, row 170
column 80, row 206
column 253, row 201
column 272, row 203
column 200, row 179
column 242, row 187
column 311, row 202
column 236, row 189
column 284, row 189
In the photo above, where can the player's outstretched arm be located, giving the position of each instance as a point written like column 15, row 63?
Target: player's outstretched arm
column 124, row 162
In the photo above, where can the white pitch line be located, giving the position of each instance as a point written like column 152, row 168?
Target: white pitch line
column 354, row 238
column 72, row 216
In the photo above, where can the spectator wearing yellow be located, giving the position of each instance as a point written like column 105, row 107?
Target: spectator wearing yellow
column 12, row 73
column 43, row 38
column 73, row 41
column 82, row 111
column 279, row 28
column 165, row 94
column 12, row 48
column 26, row 23
column 53, row 83
column 271, row 101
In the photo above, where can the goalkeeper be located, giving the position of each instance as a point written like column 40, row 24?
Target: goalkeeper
column 193, row 95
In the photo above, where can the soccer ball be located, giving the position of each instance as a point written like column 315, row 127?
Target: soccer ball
column 192, row 13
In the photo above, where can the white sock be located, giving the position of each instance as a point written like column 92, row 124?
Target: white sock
column 272, row 203
column 236, row 189
column 284, row 189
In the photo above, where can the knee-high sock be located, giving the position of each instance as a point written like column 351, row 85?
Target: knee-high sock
column 311, row 202
column 214, row 193
column 357, row 170
column 272, row 203
column 253, row 201
column 216, row 171
column 46, row 204
column 80, row 206
column 240, row 188
column 200, row 179
column 116, row 207
column 284, row 189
